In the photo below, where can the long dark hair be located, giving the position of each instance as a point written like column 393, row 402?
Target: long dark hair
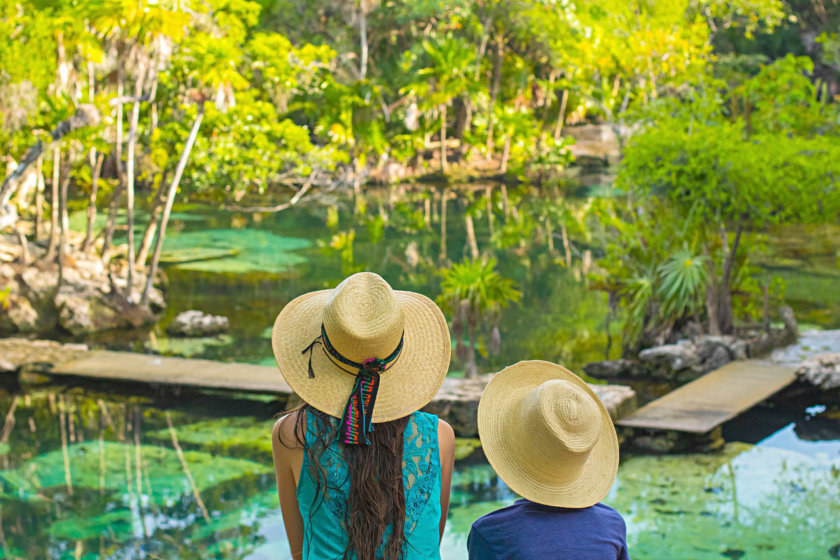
column 375, row 509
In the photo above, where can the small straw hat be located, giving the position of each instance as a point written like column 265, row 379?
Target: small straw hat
column 547, row 435
column 323, row 342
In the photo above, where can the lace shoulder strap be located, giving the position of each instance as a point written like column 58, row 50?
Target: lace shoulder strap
column 421, row 465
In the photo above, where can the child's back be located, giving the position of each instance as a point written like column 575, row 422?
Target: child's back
column 530, row 531
column 550, row 439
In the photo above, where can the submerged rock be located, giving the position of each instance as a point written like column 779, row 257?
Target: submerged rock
column 822, row 371
column 197, row 323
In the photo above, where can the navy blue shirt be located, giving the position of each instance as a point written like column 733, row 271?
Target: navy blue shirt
column 529, row 531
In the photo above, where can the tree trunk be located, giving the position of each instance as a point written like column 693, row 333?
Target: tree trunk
column 494, row 89
column 96, row 169
column 119, row 123
column 712, row 302
column 151, row 227
column 442, row 255
column 471, row 236
column 54, row 204
column 470, row 368
column 39, row 201
column 62, row 204
column 505, row 155
column 363, row 47
column 561, row 116
column 111, row 223
column 129, row 189
column 170, row 199
column 725, row 319
column 489, row 194
column 443, row 138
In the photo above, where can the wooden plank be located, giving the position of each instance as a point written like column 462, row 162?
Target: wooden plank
column 146, row 368
column 711, row 400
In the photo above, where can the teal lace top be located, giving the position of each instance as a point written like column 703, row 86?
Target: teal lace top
column 325, row 536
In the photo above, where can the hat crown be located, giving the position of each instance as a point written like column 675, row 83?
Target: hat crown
column 363, row 318
column 563, row 419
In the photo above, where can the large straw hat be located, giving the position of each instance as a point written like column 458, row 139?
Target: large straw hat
column 363, row 318
column 547, row 435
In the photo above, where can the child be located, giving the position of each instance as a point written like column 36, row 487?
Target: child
column 551, row 440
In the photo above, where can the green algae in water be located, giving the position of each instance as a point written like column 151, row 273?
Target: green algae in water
column 115, row 526
column 160, row 466
column 234, row 436
column 259, row 250
column 758, row 500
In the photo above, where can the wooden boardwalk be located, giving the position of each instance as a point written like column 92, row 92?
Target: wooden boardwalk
column 145, row 368
column 711, row 400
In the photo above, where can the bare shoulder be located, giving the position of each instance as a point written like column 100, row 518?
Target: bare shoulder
column 446, row 435
column 284, row 430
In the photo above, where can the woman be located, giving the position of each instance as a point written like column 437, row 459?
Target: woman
column 360, row 473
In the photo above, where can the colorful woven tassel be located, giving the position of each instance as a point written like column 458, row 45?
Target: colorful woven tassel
column 356, row 422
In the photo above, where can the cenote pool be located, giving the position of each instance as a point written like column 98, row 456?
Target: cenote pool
column 89, row 474
column 246, row 266
column 101, row 472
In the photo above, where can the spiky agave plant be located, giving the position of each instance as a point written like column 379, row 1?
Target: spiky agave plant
column 681, row 283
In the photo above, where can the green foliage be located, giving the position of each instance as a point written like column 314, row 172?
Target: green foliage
column 476, row 284
column 705, row 172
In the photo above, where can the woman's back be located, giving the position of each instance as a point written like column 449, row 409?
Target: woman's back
column 323, row 490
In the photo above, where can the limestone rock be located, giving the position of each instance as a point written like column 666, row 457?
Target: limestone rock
column 822, row 371
column 39, row 284
column 619, row 400
column 197, row 323
column 21, row 316
column 670, row 357
column 613, row 368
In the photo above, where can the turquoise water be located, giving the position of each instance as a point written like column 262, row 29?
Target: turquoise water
column 91, row 475
column 248, row 266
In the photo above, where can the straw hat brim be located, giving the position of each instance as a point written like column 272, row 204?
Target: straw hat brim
column 522, row 467
column 408, row 385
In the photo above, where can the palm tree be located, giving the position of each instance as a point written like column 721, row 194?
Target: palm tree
column 450, row 70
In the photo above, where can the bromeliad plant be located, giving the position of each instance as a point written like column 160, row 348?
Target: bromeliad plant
column 474, row 294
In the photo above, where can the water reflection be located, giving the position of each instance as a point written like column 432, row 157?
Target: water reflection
column 90, row 475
